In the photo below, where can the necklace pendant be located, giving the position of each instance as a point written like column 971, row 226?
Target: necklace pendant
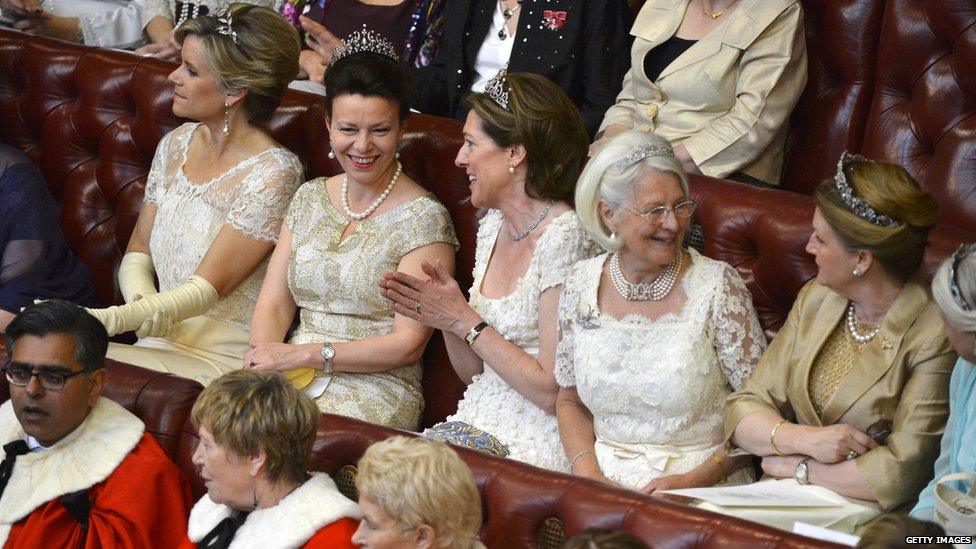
column 502, row 35
column 507, row 14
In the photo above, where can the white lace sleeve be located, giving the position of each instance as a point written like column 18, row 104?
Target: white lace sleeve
column 265, row 193
column 565, row 349
column 154, row 9
column 563, row 245
column 157, row 171
column 739, row 339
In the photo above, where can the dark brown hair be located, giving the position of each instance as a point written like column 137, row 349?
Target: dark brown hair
column 541, row 118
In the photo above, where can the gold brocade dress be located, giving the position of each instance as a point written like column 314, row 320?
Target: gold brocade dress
column 335, row 285
column 837, row 357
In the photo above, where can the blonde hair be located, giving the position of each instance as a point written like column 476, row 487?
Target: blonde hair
column 603, row 179
column 962, row 320
column 891, row 191
column 418, row 481
column 249, row 411
column 544, row 120
column 262, row 60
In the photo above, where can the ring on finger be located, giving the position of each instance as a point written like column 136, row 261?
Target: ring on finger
column 852, row 455
column 416, row 306
column 252, row 364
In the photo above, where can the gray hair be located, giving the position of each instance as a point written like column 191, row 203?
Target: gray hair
column 607, row 178
column 962, row 320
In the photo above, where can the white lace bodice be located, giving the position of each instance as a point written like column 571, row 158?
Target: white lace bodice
column 490, row 403
column 252, row 197
column 660, row 382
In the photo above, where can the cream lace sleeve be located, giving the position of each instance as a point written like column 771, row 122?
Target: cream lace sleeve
column 265, row 193
column 154, row 9
column 562, row 246
column 569, row 301
column 157, row 171
column 739, row 339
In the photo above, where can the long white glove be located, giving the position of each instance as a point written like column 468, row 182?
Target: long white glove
column 136, row 276
column 192, row 298
column 137, row 279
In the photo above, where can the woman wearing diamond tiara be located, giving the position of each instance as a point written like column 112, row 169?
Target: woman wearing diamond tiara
column 645, row 367
column 853, row 392
column 215, row 197
column 351, row 352
column 523, row 144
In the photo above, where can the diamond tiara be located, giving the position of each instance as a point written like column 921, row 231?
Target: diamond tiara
column 224, row 27
column 364, row 41
column 641, row 152
column 495, row 88
column 855, row 203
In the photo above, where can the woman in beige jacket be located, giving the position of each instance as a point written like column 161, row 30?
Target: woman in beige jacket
column 862, row 352
column 716, row 78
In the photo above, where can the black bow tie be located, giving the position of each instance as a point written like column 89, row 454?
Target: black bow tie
column 12, row 449
column 222, row 534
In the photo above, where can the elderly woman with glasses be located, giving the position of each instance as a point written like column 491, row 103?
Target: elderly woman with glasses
column 954, row 291
column 652, row 337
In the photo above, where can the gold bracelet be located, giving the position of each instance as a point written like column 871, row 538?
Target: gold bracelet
column 772, row 437
column 721, row 468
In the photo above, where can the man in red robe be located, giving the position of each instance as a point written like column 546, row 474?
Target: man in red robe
column 78, row 470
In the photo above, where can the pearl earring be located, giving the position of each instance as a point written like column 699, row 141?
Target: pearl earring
column 511, row 169
column 331, row 154
column 397, row 155
column 857, row 272
column 613, row 235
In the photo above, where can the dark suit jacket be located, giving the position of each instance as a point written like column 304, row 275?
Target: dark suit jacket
column 587, row 57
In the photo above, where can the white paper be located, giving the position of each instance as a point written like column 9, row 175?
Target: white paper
column 768, row 493
column 823, row 534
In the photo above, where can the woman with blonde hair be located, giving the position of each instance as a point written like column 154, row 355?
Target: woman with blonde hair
column 852, row 394
column 215, row 197
column 652, row 337
column 416, row 493
column 523, row 144
column 256, row 435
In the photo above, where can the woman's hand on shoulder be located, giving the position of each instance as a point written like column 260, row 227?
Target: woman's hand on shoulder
column 280, row 357
column 437, row 302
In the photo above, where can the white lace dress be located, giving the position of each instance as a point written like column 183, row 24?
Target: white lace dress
column 657, row 389
column 490, row 403
column 252, row 198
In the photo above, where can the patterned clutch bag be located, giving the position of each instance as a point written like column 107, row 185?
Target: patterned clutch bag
column 461, row 434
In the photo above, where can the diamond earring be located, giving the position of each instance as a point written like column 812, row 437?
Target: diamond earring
column 226, row 117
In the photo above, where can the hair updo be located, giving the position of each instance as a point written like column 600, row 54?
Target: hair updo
column 541, row 118
column 263, row 60
column 370, row 75
column 891, row 191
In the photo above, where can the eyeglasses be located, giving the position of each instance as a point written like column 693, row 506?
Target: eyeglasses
column 20, row 376
column 657, row 214
column 961, row 252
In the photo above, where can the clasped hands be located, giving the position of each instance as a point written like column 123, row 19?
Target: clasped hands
column 29, row 17
column 830, row 444
column 436, row 302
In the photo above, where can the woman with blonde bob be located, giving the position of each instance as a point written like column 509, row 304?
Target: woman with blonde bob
column 652, row 337
column 852, row 394
column 256, row 435
column 954, row 290
column 415, row 492
column 215, row 197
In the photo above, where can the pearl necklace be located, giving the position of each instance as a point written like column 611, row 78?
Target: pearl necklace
column 186, row 14
column 531, row 226
column 656, row 290
column 376, row 203
column 852, row 327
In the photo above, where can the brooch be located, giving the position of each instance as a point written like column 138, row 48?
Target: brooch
column 587, row 317
column 553, row 20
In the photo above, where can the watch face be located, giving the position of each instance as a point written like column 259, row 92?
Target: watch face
column 328, row 351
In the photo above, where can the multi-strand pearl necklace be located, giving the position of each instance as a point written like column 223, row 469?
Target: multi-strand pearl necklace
column 186, row 14
column 376, row 203
column 852, row 327
column 655, row 290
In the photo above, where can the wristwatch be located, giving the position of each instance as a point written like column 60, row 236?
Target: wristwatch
column 328, row 353
column 803, row 471
column 474, row 332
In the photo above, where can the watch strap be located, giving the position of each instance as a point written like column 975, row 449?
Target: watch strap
column 474, row 332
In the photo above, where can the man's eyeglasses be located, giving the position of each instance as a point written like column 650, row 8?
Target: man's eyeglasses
column 657, row 214
column 50, row 380
column 957, row 257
